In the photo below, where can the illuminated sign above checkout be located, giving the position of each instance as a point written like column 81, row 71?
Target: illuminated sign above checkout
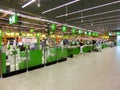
column 13, row 19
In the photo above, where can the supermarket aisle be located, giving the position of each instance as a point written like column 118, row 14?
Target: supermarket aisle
column 93, row 71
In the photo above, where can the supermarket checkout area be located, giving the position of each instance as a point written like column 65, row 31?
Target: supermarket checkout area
column 17, row 60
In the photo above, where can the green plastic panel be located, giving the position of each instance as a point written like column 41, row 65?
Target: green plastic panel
column 3, row 63
column 52, row 57
column 87, row 49
column 69, row 51
column 76, row 50
column 57, row 54
column 64, row 53
column 104, row 45
column 35, row 58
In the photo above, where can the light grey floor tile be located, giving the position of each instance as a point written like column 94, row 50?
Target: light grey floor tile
column 91, row 71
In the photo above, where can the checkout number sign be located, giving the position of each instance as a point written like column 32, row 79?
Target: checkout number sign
column 13, row 19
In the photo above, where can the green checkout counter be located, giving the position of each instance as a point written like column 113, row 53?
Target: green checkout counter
column 3, row 63
column 76, row 50
column 104, row 46
column 34, row 59
column 56, row 54
column 53, row 55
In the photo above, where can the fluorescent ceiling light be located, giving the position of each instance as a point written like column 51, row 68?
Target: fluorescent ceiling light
column 89, row 9
column 60, row 6
column 99, row 19
column 108, row 23
column 103, row 24
column 93, row 15
column 25, row 5
column 103, row 21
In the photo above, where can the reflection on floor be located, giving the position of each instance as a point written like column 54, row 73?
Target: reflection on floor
column 92, row 71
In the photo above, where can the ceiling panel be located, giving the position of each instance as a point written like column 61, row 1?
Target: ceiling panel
column 33, row 10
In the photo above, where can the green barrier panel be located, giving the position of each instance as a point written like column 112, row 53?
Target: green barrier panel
column 23, row 54
column 104, row 45
column 76, row 50
column 52, row 57
column 64, row 53
column 87, row 49
column 59, row 53
column 34, row 60
column 23, row 64
column 3, row 63
column 69, row 51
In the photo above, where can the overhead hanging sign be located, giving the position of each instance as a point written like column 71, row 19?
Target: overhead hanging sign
column 73, row 30
column 94, row 34
column 85, row 32
column 80, row 32
column 31, row 30
column 51, row 33
column 89, row 33
column 38, row 35
column 64, row 28
column 53, row 27
column 13, row 19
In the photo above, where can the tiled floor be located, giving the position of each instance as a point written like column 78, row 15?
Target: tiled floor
column 92, row 71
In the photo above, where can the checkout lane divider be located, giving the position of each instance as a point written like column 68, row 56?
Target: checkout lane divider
column 56, row 54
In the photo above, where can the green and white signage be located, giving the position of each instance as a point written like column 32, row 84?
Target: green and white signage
column 79, row 31
column 94, row 34
column 64, row 28
column 89, row 33
column 51, row 33
column 31, row 30
column 13, row 19
column 85, row 32
column 53, row 27
column 73, row 30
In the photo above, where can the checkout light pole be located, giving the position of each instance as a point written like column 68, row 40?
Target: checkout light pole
column 38, row 40
column 0, row 53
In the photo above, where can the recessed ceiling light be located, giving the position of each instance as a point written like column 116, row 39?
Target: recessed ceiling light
column 66, row 4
